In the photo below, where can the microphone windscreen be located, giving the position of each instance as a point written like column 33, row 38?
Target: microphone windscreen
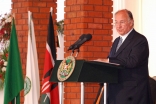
column 82, row 36
column 88, row 37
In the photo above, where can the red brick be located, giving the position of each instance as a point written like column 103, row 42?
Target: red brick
column 82, row 2
column 18, row 27
column 44, row 33
column 67, row 89
column 70, row 84
column 44, row 21
column 110, row 9
column 67, row 21
column 96, row 2
column 21, row 21
column 33, row 9
column 102, row 32
column 81, row 25
column 70, row 2
column 17, row 5
column 101, row 54
column 110, row 32
column 18, row 16
column 95, row 49
column 106, row 49
column 22, row 45
column 25, row 15
column 39, row 4
column 26, row 4
column 110, row 20
column 89, row 101
column 71, row 26
column 67, row 101
column 75, row 90
column 107, row 26
column 102, row 8
column 91, row 31
column 94, row 26
column 105, row 8
column 101, row 20
column 87, row 19
column 87, row 7
column 101, row 43
column 14, row 10
column 107, row 15
column 89, row 89
column 82, row 14
column 75, row 20
column 22, row 10
column 91, row 95
column 75, row 8
column 88, row 54
column 94, row 14
column 71, row 14
column 108, row 2
column 41, row 55
column 24, row 27
column 67, row 9
column 52, row 4
column 78, row 31
column 41, row 15
column 75, row 101
column 107, row 37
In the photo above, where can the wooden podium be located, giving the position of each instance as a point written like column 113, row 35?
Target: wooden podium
column 90, row 71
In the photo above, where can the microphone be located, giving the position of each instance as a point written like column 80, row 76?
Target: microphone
column 86, row 38
column 80, row 38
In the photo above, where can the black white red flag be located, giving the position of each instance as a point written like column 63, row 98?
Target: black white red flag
column 50, row 94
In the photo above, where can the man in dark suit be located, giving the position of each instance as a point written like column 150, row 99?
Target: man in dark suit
column 130, row 50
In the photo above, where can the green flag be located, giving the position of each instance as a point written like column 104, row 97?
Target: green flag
column 14, row 81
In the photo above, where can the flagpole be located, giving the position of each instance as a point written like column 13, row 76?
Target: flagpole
column 51, row 10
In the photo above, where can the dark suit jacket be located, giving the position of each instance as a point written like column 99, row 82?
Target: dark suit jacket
column 133, row 86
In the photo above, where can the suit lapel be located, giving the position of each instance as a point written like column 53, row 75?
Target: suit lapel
column 114, row 46
column 126, row 42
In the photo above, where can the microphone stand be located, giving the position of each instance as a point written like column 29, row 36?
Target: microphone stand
column 82, row 84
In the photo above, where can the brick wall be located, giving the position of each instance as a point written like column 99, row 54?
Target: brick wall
column 83, row 17
column 40, row 11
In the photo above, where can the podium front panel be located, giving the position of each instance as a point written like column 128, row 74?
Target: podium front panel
column 89, row 71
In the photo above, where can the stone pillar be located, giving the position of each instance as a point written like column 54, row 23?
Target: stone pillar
column 83, row 17
column 40, row 13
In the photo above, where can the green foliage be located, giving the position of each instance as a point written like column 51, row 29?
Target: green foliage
column 60, row 27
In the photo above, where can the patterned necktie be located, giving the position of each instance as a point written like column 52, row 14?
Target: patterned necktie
column 119, row 44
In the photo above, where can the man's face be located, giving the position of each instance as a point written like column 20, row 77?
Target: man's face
column 123, row 23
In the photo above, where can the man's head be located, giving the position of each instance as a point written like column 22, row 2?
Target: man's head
column 123, row 21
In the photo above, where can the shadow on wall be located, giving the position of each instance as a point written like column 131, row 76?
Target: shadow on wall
column 152, row 81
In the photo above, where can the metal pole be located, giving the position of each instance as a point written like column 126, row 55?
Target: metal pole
column 82, row 93
column 105, row 91
column 61, row 92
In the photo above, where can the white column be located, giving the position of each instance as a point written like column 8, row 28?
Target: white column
column 148, row 29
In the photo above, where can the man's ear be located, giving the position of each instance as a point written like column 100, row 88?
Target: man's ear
column 131, row 22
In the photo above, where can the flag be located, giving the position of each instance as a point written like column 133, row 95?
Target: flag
column 50, row 94
column 14, row 81
column 32, row 82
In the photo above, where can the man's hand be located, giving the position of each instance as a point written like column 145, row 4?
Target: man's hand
column 102, row 60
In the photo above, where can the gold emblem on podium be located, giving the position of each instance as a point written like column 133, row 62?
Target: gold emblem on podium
column 66, row 68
